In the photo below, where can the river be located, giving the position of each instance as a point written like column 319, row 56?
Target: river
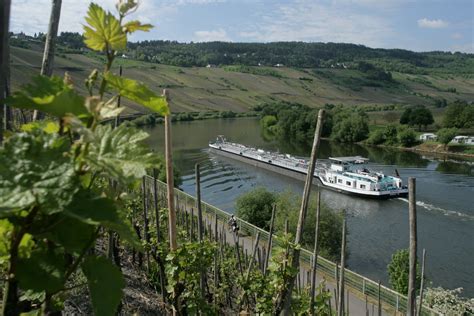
column 445, row 197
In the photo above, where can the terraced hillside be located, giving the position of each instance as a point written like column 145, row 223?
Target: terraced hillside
column 240, row 88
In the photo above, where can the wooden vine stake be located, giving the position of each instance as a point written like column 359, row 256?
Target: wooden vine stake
column 4, row 56
column 202, row 281
column 170, row 182
column 411, row 305
column 269, row 244
column 288, row 289
column 315, row 255
column 422, row 282
column 158, row 237
column 340, row 295
column 49, row 46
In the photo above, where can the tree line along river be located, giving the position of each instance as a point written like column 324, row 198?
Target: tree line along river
column 445, row 196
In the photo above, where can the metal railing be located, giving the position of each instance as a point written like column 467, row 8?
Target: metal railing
column 359, row 284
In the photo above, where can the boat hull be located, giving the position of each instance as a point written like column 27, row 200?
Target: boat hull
column 296, row 174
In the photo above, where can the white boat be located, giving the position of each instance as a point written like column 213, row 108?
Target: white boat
column 342, row 174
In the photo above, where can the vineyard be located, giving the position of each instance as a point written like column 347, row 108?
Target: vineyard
column 81, row 206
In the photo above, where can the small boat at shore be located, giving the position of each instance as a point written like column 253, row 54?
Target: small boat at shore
column 342, row 174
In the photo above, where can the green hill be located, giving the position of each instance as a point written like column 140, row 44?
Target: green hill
column 239, row 88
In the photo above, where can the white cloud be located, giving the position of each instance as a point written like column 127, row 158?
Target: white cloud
column 209, row 36
column 432, row 24
column 312, row 21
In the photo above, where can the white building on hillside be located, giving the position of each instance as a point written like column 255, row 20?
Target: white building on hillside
column 428, row 136
column 466, row 140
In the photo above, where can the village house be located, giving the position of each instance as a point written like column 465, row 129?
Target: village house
column 428, row 137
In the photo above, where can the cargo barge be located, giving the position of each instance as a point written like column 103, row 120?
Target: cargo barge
column 341, row 174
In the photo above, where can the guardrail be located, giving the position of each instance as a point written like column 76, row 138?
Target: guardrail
column 358, row 283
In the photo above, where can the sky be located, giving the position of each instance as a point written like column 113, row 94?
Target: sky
column 418, row 25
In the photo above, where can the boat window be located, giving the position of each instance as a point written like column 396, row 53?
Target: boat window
column 339, row 180
column 362, row 186
column 348, row 182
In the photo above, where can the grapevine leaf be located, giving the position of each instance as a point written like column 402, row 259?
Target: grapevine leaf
column 121, row 153
column 49, row 95
column 105, row 284
column 138, row 92
column 71, row 233
column 95, row 210
column 134, row 26
column 42, row 271
column 103, row 31
column 35, row 171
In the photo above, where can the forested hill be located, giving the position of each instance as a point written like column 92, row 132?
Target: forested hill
column 298, row 54
column 290, row 54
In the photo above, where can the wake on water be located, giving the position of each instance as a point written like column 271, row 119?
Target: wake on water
column 431, row 207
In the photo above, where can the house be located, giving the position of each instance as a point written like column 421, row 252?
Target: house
column 427, row 137
column 211, row 66
column 461, row 139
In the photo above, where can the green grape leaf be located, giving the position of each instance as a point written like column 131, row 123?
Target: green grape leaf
column 49, row 95
column 71, row 233
column 134, row 26
column 49, row 127
column 103, row 31
column 105, row 284
column 139, row 93
column 35, row 171
column 43, row 271
column 92, row 209
column 120, row 153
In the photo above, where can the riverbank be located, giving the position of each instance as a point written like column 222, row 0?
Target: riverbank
column 428, row 148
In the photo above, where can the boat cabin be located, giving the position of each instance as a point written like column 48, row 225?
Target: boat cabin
column 342, row 164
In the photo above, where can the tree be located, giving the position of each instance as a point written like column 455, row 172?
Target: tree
column 459, row 114
column 406, row 136
column 351, row 129
column 256, row 207
column 418, row 115
column 445, row 135
column 398, row 270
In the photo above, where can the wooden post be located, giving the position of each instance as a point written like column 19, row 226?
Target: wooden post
column 49, row 46
column 411, row 305
column 4, row 56
column 237, row 252
column 420, row 304
column 269, row 244
column 158, row 237
column 198, row 201
column 379, row 304
column 117, row 118
column 145, row 221
column 315, row 255
column 252, row 259
column 202, row 280
column 343, row 263
column 286, row 295
column 170, row 182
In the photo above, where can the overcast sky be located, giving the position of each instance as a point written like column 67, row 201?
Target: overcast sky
column 419, row 25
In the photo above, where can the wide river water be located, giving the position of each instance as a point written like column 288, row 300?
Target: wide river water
column 445, row 197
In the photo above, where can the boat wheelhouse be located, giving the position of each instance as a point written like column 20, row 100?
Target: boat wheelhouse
column 342, row 174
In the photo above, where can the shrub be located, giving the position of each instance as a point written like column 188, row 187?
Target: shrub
column 398, row 271
column 256, row 207
column 406, row 136
column 448, row 302
column 445, row 135
column 376, row 137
